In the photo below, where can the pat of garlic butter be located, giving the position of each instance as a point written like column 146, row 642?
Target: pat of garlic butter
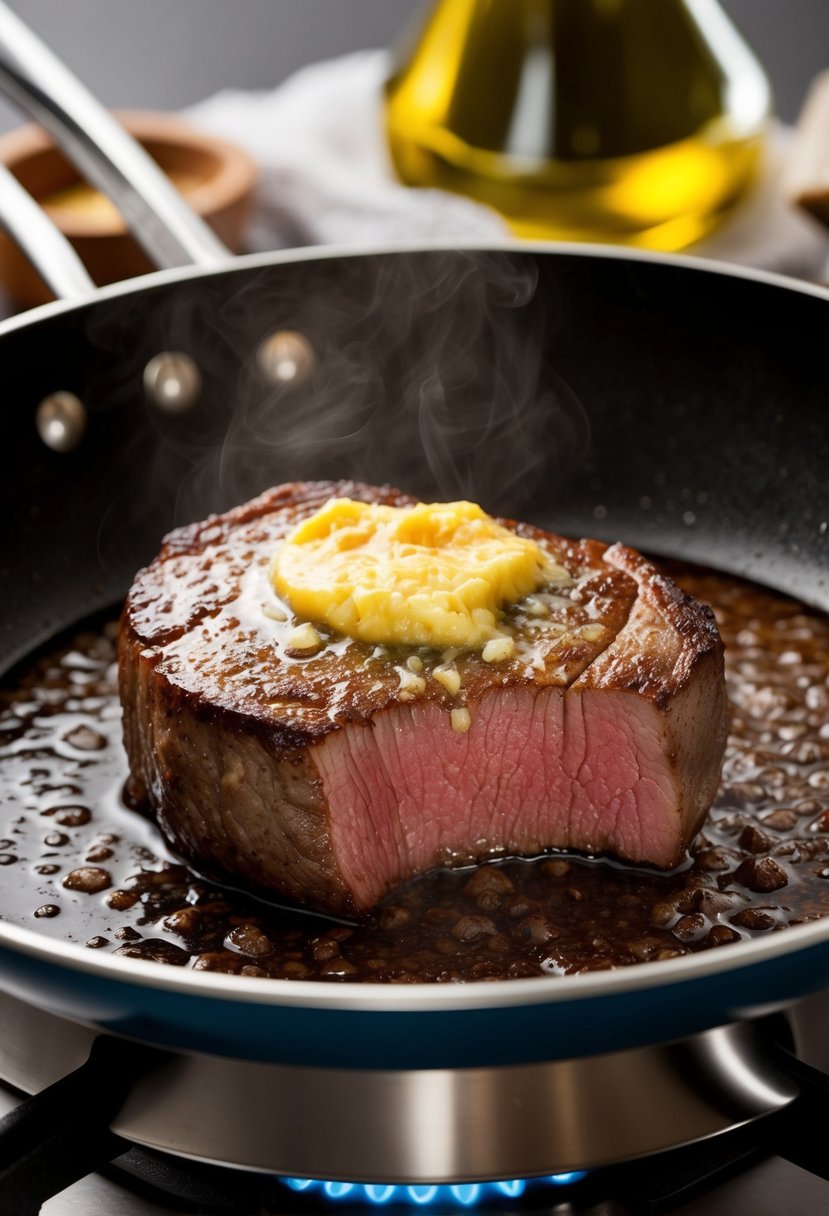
column 434, row 574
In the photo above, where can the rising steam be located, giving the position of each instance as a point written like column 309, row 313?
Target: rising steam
column 433, row 371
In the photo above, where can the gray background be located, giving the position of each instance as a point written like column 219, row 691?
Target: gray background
column 164, row 54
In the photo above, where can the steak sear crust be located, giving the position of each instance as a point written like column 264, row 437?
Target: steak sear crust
column 324, row 779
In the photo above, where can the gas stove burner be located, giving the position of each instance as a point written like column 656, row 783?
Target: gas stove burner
column 441, row 1126
column 214, row 1189
column 653, row 1185
column 463, row 1195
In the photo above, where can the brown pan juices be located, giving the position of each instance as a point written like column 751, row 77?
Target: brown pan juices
column 80, row 866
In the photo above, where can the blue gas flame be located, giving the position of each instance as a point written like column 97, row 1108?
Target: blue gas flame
column 463, row 1194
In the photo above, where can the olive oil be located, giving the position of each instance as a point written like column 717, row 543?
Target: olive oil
column 634, row 121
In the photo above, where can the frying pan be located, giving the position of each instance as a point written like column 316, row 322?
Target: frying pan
column 677, row 405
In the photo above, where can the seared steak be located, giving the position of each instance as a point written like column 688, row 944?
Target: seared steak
column 328, row 777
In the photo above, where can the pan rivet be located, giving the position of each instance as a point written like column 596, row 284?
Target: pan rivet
column 61, row 421
column 286, row 357
column 172, row 382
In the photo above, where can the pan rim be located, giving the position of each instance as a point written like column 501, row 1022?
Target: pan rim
column 433, row 997
column 320, row 253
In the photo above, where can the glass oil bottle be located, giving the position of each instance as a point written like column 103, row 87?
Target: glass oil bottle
column 631, row 121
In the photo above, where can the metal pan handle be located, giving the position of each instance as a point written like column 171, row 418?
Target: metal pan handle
column 45, row 246
column 33, row 77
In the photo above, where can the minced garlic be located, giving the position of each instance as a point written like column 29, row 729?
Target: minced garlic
column 433, row 575
column 535, row 607
column 411, row 683
column 448, row 675
column 304, row 637
column 498, row 649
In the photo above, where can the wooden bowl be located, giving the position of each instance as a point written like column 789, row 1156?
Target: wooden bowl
column 216, row 178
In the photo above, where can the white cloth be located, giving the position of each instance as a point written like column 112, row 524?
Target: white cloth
column 326, row 176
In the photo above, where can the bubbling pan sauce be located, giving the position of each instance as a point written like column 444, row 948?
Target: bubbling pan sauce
column 81, row 867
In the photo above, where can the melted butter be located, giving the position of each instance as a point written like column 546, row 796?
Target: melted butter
column 432, row 575
column 242, row 646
